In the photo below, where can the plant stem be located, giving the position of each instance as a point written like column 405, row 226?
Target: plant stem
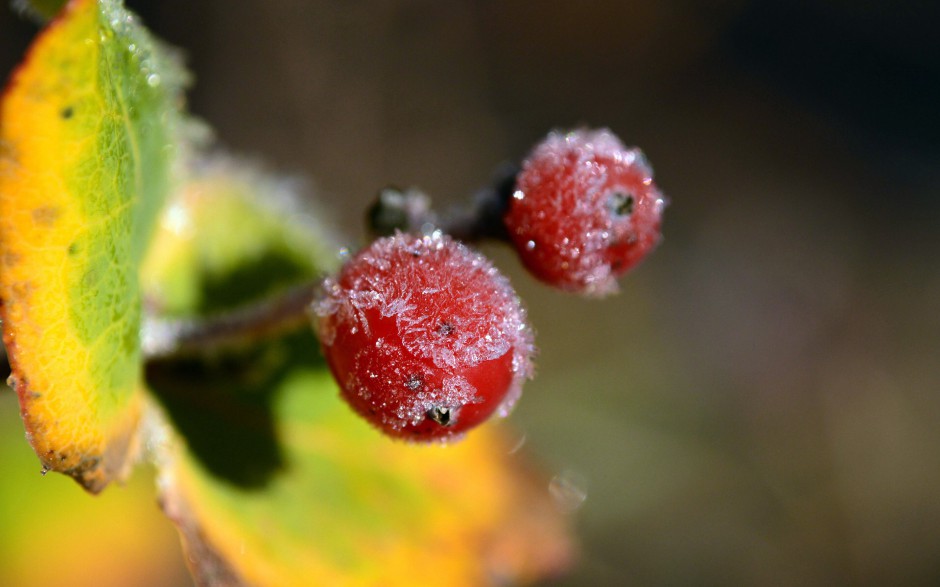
column 410, row 211
column 167, row 338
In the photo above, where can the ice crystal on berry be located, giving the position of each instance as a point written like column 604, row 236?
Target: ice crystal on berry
column 584, row 211
column 425, row 337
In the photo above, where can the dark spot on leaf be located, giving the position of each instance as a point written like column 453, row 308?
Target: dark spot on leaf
column 73, row 248
column 45, row 215
column 67, row 112
column 11, row 259
column 22, row 290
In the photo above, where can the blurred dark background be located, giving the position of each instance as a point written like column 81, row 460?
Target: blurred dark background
column 760, row 405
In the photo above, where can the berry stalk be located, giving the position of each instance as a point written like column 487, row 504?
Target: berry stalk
column 168, row 338
column 409, row 211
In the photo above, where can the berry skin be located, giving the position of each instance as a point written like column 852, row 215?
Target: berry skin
column 584, row 211
column 425, row 338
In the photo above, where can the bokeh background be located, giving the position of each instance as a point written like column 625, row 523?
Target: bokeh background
column 760, row 405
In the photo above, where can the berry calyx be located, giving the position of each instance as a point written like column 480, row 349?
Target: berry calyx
column 425, row 338
column 584, row 211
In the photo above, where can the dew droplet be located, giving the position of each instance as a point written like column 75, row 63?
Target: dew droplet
column 153, row 80
column 568, row 489
column 177, row 219
column 519, row 444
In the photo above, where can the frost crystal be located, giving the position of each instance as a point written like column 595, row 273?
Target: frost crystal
column 418, row 324
column 584, row 211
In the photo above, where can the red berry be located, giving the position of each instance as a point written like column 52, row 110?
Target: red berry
column 424, row 336
column 584, row 211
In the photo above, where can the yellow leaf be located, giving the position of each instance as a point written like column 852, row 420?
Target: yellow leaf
column 85, row 155
column 52, row 534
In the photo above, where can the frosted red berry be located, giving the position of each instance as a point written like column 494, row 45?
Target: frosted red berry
column 584, row 211
column 424, row 336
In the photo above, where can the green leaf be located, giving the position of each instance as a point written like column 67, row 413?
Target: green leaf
column 273, row 480
column 233, row 235
column 87, row 143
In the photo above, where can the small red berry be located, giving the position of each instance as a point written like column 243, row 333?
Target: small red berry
column 424, row 336
column 584, row 211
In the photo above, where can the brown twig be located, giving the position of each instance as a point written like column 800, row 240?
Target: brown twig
column 162, row 338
